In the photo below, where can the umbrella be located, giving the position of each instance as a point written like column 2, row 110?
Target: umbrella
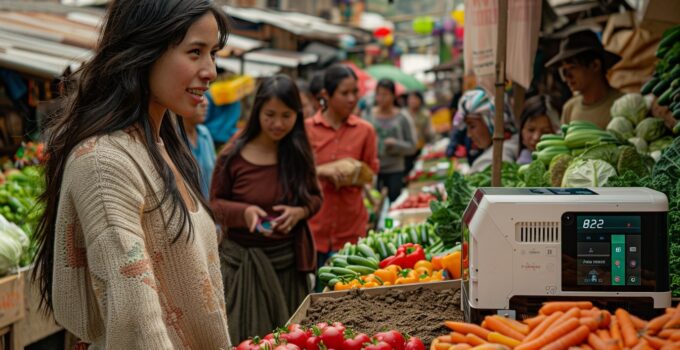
column 387, row 71
column 367, row 83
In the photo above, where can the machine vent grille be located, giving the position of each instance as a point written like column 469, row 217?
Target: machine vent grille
column 537, row 232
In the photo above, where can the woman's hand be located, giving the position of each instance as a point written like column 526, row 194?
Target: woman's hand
column 252, row 215
column 289, row 217
column 335, row 175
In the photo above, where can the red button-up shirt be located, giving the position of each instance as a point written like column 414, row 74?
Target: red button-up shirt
column 342, row 217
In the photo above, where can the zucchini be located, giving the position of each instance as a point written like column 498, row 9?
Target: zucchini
column 342, row 271
column 326, row 276
column 362, row 270
column 676, row 112
column 366, row 251
column 665, row 98
column 331, row 284
column 661, row 87
column 324, row 269
column 361, row 261
column 392, row 249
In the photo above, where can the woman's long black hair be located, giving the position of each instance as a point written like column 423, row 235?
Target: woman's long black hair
column 295, row 159
column 111, row 93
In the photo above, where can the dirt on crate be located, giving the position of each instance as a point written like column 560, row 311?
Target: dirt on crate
column 420, row 312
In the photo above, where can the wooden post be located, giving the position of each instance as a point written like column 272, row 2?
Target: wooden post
column 499, row 128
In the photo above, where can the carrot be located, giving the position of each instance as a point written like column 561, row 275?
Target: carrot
column 514, row 324
column 615, row 331
column 474, row 340
column 590, row 322
column 457, row 338
column 465, row 328
column 601, row 344
column 638, row 323
column 574, row 337
column 550, row 335
column 604, row 334
column 671, row 347
column 543, row 326
column 656, row 323
column 495, row 324
column 675, row 336
column 495, row 337
column 554, row 306
column 674, row 322
column 642, row 345
column 656, row 343
column 586, row 347
column 463, row 346
column 670, row 310
column 490, row 347
column 439, row 345
column 534, row 321
column 628, row 331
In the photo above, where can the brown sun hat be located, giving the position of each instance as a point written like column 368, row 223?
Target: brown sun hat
column 583, row 41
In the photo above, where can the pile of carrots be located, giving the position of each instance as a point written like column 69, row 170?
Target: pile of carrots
column 566, row 326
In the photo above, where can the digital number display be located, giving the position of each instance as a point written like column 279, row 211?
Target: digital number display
column 608, row 250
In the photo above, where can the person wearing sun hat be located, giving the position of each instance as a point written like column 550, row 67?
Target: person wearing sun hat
column 476, row 114
column 583, row 64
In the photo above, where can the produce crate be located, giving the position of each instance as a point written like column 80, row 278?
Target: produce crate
column 11, row 299
column 416, row 187
column 301, row 312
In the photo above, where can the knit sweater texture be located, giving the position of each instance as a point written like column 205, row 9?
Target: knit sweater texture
column 119, row 280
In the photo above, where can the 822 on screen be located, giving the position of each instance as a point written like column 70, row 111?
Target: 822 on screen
column 593, row 224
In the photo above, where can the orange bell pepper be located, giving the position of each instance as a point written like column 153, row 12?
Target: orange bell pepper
column 452, row 264
column 386, row 275
column 437, row 263
column 423, row 264
column 342, row 286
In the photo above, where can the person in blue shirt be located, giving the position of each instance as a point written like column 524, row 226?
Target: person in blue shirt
column 222, row 120
column 202, row 145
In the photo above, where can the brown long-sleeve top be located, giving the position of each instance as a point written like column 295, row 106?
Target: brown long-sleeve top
column 238, row 184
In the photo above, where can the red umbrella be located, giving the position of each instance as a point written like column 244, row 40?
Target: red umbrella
column 367, row 83
column 382, row 32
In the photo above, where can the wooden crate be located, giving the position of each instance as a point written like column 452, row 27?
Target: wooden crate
column 301, row 312
column 11, row 299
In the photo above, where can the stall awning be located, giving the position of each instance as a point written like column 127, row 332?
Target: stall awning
column 254, row 69
column 282, row 58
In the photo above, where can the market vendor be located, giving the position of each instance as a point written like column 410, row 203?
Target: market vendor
column 583, row 64
column 335, row 133
column 539, row 118
column 477, row 112
column 264, row 189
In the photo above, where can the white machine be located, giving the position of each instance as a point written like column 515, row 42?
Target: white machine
column 524, row 246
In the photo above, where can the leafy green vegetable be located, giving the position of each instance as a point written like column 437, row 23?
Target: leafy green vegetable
column 534, row 174
column 650, row 129
column 558, row 166
column 630, row 160
column 621, row 127
column 660, row 144
column 639, row 143
column 631, row 106
column 588, row 173
column 605, row 151
column 509, row 176
column 447, row 215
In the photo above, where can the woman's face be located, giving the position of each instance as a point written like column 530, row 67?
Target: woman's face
column 384, row 98
column 533, row 129
column 477, row 131
column 180, row 77
column 413, row 102
column 276, row 119
column 345, row 97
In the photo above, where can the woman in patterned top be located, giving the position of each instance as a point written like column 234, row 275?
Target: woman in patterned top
column 127, row 246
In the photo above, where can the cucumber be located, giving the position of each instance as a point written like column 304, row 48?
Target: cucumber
column 342, row 271
column 661, row 87
column 361, row 261
column 392, row 249
column 325, row 269
column 366, row 251
column 670, row 36
column 339, row 262
column 325, row 277
column 362, row 270
column 649, row 86
column 383, row 249
column 676, row 128
column 665, row 98
column 423, row 233
column 331, row 284
column 676, row 112
column 413, row 235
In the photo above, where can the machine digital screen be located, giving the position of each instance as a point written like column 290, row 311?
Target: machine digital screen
column 608, row 250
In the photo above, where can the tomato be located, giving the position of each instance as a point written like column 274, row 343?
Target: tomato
column 394, row 338
column 341, row 327
column 296, row 336
column 312, row 343
column 378, row 345
column 356, row 342
column 255, row 344
column 322, row 325
column 414, row 343
column 287, row 346
column 332, row 337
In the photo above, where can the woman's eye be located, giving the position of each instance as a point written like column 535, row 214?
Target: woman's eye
column 195, row 52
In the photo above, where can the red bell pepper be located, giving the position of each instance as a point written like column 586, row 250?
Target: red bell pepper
column 406, row 257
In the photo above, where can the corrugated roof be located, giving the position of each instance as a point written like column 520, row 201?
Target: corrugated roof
column 281, row 58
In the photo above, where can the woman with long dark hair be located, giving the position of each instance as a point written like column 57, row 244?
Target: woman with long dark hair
column 128, row 253
column 539, row 117
column 395, row 138
column 263, row 190
column 335, row 133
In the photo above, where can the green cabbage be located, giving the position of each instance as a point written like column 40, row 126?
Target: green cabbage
column 10, row 252
column 650, row 129
column 606, row 151
column 621, row 127
column 533, row 174
column 558, row 166
column 660, row 144
column 630, row 160
column 640, row 144
column 14, row 231
column 588, row 173
column 631, row 106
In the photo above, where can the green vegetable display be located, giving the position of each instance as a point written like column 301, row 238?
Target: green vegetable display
column 621, row 127
column 650, row 129
column 588, row 173
column 632, row 107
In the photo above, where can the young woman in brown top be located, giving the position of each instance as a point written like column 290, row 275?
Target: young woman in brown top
column 267, row 175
